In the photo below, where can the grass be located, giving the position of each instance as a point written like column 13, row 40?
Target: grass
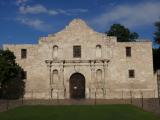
column 84, row 112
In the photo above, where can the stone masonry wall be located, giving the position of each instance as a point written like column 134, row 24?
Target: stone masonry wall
column 113, row 63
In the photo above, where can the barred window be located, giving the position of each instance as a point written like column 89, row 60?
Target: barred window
column 23, row 53
column 128, row 51
column 77, row 51
column 131, row 73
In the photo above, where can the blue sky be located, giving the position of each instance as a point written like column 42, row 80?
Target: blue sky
column 24, row 21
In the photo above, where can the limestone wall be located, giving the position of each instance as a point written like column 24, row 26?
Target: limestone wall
column 113, row 63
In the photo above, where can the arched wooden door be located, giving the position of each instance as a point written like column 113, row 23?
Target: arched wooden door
column 77, row 86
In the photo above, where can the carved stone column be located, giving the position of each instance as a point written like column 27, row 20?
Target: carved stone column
column 92, row 82
column 49, row 65
column 104, row 78
column 105, row 75
column 61, row 75
column 93, row 79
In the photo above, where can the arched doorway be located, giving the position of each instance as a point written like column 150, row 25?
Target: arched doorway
column 77, row 86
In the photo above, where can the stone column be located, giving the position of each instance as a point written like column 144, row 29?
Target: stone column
column 104, row 78
column 92, row 82
column 105, row 72
column 105, row 67
column 61, row 76
column 62, row 84
column 49, row 65
column 92, row 72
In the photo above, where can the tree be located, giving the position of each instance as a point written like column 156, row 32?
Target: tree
column 156, row 51
column 123, row 34
column 11, row 81
column 156, row 59
column 157, row 32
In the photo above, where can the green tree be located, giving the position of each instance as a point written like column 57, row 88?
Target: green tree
column 157, row 32
column 11, row 81
column 156, row 51
column 123, row 34
column 156, row 59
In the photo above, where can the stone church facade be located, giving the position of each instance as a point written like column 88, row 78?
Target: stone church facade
column 78, row 62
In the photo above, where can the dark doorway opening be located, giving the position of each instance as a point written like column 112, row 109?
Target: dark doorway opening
column 77, row 86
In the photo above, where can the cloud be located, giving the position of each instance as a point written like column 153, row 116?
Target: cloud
column 39, row 9
column 140, row 14
column 80, row 10
column 72, row 11
column 34, row 23
column 53, row 12
column 21, row 2
column 76, row 11
column 26, row 12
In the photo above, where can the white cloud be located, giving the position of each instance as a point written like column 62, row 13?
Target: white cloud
column 21, row 2
column 34, row 23
column 76, row 11
column 38, row 9
column 72, row 11
column 25, row 9
column 80, row 10
column 140, row 14
column 53, row 12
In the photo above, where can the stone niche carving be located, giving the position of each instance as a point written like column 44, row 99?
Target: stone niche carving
column 99, row 78
column 55, row 52
column 98, row 51
column 55, row 78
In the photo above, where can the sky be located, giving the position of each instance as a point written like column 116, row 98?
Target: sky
column 25, row 21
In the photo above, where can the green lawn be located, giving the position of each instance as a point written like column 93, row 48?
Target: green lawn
column 84, row 112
